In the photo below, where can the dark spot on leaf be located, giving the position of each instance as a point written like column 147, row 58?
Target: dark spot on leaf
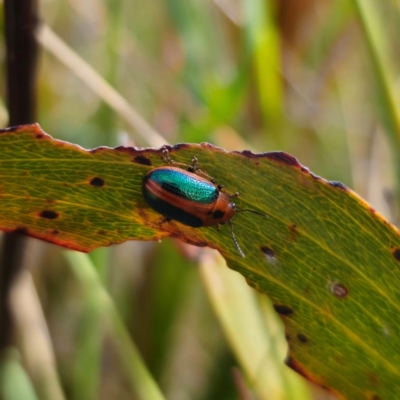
column 372, row 377
column 21, row 230
column 283, row 310
column 302, row 338
column 339, row 290
column 293, row 232
column 102, row 232
column 218, row 214
column 396, row 253
column 283, row 157
column 375, row 397
column 269, row 254
column 55, row 232
column 96, row 181
column 49, row 214
column 142, row 160
column 339, row 185
column 267, row 251
column 287, row 337
column 39, row 136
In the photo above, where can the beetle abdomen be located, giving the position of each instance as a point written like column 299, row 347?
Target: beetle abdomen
column 170, row 211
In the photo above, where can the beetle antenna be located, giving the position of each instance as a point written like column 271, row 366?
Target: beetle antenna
column 254, row 212
column 235, row 240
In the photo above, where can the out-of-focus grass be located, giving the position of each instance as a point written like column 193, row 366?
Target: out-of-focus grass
column 14, row 382
column 286, row 75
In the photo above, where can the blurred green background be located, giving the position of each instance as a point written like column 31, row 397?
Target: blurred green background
column 318, row 80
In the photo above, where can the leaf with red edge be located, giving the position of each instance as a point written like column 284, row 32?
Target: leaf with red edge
column 327, row 260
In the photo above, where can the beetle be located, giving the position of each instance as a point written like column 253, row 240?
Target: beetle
column 190, row 196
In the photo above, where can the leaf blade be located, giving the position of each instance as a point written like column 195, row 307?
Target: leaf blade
column 328, row 261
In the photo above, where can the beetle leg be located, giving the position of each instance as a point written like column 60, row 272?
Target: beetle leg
column 195, row 164
column 167, row 159
column 170, row 161
column 191, row 168
column 197, row 170
column 233, row 195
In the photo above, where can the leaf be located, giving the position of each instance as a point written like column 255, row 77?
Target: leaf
column 327, row 260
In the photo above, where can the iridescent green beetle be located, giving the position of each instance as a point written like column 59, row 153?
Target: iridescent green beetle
column 190, row 196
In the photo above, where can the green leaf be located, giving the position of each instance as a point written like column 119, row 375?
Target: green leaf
column 327, row 260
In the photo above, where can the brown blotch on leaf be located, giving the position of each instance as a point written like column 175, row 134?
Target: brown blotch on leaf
column 142, row 160
column 96, row 181
column 55, row 232
column 283, row 310
column 302, row 338
column 339, row 185
column 314, row 176
column 372, row 377
column 102, row 232
column 39, row 136
column 268, row 251
column 293, row 232
column 48, row 214
column 339, row 290
column 396, row 253
column 283, row 157
column 375, row 397
column 180, row 146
